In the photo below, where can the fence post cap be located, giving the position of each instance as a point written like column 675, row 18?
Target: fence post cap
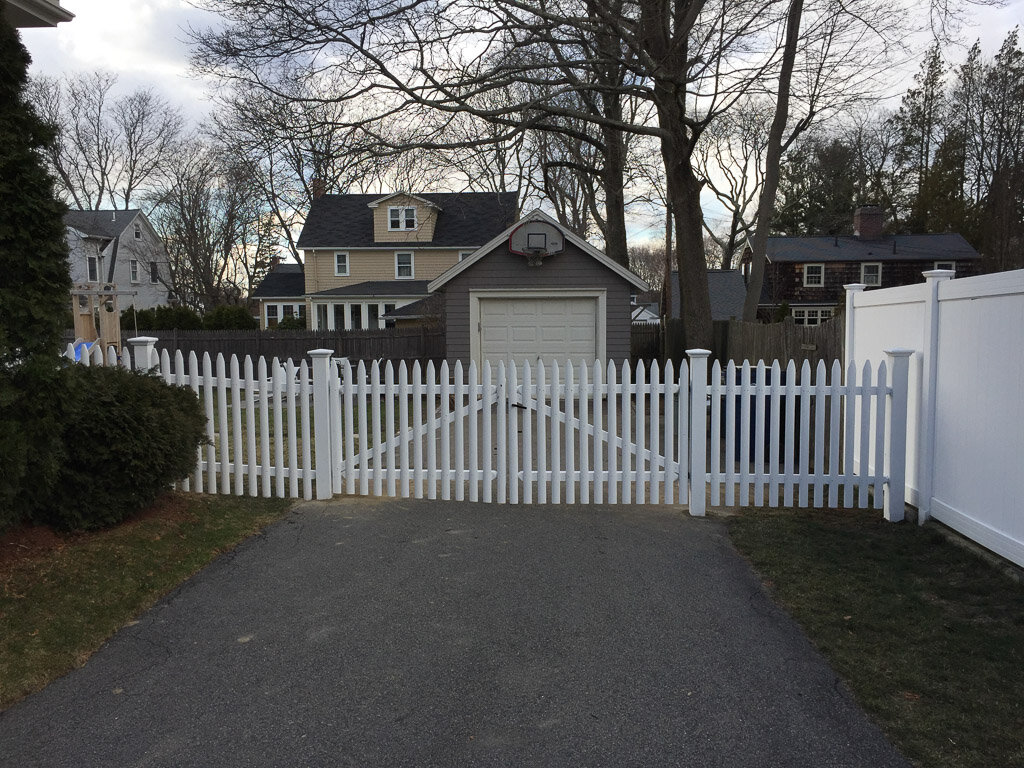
column 136, row 340
column 938, row 274
column 899, row 352
column 854, row 287
column 321, row 353
column 698, row 352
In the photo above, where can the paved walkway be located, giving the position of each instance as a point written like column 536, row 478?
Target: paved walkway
column 399, row 633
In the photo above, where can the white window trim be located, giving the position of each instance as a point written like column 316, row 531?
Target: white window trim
column 808, row 284
column 401, row 218
column 863, row 275
column 412, row 265
column 550, row 293
column 348, row 267
column 133, row 270
column 950, row 265
column 266, row 314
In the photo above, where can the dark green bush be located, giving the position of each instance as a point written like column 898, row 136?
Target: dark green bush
column 160, row 319
column 291, row 324
column 127, row 436
column 230, row 318
column 34, row 285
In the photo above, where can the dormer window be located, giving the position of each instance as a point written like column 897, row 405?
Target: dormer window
column 401, row 218
column 138, row 232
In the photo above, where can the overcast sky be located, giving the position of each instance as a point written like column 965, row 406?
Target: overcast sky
column 144, row 43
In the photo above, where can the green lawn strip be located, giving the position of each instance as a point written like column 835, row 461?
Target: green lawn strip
column 928, row 636
column 58, row 608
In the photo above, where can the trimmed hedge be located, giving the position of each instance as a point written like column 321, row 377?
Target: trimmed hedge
column 126, row 437
column 160, row 318
column 230, row 317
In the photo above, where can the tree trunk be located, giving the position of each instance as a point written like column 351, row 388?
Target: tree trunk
column 773, row 155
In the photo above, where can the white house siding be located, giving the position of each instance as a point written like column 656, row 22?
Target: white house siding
column 146, row 251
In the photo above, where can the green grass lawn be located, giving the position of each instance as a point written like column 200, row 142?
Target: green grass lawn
column 927, row 635
column 61, row 597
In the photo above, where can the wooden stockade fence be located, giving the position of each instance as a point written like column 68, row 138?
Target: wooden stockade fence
column 386, row 344
column 645, row 342
column 571, row 432
column 738, row 341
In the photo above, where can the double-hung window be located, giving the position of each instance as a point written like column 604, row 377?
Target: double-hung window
column 341, row 264
column 871, row 273
column 815, row 316
column 400, row 218
column 814, row 275
column 93, row 264
column 403, row 265
column 271, row 315
column 133, row 268
column 138, row 232
column 154, row 272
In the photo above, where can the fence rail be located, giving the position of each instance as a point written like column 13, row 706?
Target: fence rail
column 572, row 432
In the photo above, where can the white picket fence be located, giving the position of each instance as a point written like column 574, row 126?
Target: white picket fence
column 569, row 433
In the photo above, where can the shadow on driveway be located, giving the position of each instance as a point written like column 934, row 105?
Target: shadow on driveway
column 413, row 633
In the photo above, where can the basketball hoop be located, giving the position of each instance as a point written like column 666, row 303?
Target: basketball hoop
column 536, row 240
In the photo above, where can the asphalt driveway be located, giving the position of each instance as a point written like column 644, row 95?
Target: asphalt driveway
column 403, row 633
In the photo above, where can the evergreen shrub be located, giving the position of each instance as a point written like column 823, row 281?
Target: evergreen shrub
column 126, row 437
column 230, row 317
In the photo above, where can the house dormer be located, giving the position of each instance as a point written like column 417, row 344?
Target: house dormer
column 404, row 218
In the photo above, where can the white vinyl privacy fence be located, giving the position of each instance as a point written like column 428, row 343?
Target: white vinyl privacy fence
column 568, row 433
column 966, row 410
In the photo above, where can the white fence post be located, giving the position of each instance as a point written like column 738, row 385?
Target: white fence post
column 142, row 352
column 698, row 429
column 900, row 377
column 851, row 294
column 322, row 425
column 926, row 415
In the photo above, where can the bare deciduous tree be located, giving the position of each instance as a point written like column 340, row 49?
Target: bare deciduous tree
column 108, row 148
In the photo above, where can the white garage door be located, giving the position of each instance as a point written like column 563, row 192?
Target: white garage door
column 535, row 329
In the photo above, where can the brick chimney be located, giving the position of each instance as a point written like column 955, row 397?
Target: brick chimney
column 317, row 187
column 867, row 222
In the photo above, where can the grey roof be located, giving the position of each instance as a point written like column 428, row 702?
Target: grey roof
column 466, row 219
column 107, row 224
column 726, row 289
column 379, row 288
column 284, row 280
column 945, row 247
column 426, row 307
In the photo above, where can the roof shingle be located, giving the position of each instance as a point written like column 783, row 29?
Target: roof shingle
column 466, row 219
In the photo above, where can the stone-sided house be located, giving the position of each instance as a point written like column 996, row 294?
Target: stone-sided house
column 119, row 247
column 807, row 274
column 365, row 256
column 537, row 292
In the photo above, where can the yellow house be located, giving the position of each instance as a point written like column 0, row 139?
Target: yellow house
column 367, row 255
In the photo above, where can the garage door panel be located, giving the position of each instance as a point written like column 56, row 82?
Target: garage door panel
column 533, row 329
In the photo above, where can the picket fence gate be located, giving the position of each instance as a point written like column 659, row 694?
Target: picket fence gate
column 566, row 433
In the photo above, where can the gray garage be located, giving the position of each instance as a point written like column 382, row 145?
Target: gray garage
column 537, row 292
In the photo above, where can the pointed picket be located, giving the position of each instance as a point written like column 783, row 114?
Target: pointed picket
column 388, row 435
column 374, row 444
column 460, row 432
column 193, row 382
column 598, row 484
column 403, row 430
column 211, row 428
column 293, row 439
column 640, row 412
column 849, row 426
column 584, row 431
column 486, row 445
column 418, row 435
column 760, row 392
column 446, row 451
column 501, row 439
column 864, row 471
column 431, row 436
column 541, row 447
column 789, row 471
column 655, row 470
column 626, row 414
column 516, row 407
column 819, row 435
column 835, row 411
column 279, row 461
column 775, row 469
column 362, row 406
column 529, row 410
column 879, row 396
column 305, row 391
column 715, row 392
column 555, row 451
column 473, row 436
column 237, row 437
column 730, row 433
column 570, row 434
column 744, row 434
column 613, row 438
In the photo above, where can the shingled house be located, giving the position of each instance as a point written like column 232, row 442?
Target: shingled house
column 367, row 255
column 807, row 274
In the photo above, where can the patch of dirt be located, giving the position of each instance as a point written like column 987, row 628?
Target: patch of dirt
column 30, row 542
column 25, row 542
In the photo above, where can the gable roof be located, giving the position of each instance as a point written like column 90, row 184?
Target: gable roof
column 727, row 291
column 284, row 280
column 380, row 200
column 465, row 220
column 536, row 215
column 939, row 247
column 106, row 224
